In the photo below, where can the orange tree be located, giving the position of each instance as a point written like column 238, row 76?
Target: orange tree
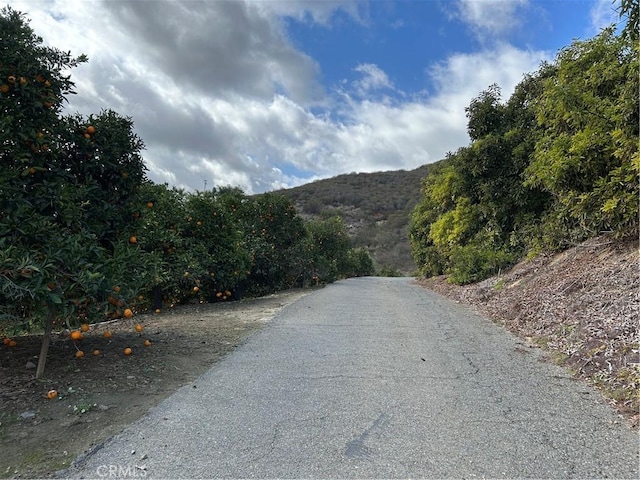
column 328, row 247
column 274, row 233
column 216, row 238
column 64, row 182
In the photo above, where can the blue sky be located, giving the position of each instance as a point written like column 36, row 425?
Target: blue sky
column 269, row 94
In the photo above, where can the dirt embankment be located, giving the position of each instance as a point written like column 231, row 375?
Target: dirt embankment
column 582, row 305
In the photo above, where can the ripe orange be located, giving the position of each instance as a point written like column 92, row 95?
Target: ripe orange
column 84, row 327
column 106, row 334
column 195, row 289
column 128, row 313
column 96, row 352
column 6, row 340
column 116, row 288
column 51, row 394
column 87, row 136
column 139, row 328
column 47, row 83
column 11, row 79
column 219, row 294
column 157, row 310
column 91, row 129
column 12, row 343
column 23, row 81
column 79, row 354
column 4, row 88
column 76, row 335
column 133, row 240
column 140, row 298
column 128, row 351
column 147, row 343
column 149, row 204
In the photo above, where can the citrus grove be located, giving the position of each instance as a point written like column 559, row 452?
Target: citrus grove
column 85, row 237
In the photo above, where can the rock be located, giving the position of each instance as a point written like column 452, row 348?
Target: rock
column 30, row 365
column 27, row 415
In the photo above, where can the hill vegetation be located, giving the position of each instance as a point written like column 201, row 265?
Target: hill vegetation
column 375, row 207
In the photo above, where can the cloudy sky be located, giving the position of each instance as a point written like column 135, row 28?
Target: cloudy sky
column 269, row 94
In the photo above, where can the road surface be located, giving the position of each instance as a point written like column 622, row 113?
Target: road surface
column 375, row 378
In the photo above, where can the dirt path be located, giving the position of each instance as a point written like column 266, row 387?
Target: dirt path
column 100, row 395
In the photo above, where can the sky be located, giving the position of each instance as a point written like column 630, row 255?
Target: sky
column 270, row 94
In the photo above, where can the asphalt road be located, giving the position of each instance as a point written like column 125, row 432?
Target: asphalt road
column 375, row 378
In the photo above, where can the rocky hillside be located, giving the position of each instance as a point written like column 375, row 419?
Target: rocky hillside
column 375, row 206
column 581, row 305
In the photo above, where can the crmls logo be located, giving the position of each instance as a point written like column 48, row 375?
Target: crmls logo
column 121, row 471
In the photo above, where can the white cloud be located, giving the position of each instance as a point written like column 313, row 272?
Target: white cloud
column 219, row 94
column 373, row 78
column 492, row 18
column 603, row 13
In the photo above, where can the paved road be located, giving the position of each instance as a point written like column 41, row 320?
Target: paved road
column 375, row 378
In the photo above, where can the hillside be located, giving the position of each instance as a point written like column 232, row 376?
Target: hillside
column 581, row 305
column 375, row 207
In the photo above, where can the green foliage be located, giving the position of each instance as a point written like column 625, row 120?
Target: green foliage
column 359, row 263
column 586, row 158
column 387, row 271
column 556, row 164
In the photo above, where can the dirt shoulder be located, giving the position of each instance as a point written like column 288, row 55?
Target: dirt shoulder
column 100, row 395
column 582, row 306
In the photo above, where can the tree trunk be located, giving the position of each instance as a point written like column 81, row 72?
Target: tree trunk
column 44, row 349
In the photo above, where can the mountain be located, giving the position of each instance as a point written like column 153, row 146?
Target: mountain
column 375, row 207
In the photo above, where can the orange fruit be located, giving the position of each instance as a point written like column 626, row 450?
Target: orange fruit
column 87, row 136
column 51, row 394
column 4, row 88
column 76, row 335
column 47, row 104
column 11, row 79
column 106, row 334
column 91, row 129
column 219, row 294
column 47, row 83
column 147, row 343
column 133, row 240
column 128, row 351
column 128, row 313
column 140, row 298
column 6, row 341
column 195, row 289
column 40, row 78
column 23, row 81
column 96, row 352
column 116, row 288
column 84, row 327
column 157, row 310
column 79, row 354
column 149, row 204
column 12, row 343
column 139, row 328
